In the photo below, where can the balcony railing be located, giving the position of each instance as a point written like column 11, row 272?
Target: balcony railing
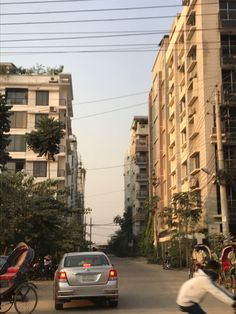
column 142, row 177
column 228, row 18
column 141, row 160
column 142, row 194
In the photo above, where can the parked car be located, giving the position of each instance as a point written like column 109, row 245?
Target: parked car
column 3, row 259
column 85, row 275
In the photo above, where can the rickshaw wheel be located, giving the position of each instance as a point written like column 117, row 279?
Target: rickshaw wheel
column 25, row 299
column 5, row 306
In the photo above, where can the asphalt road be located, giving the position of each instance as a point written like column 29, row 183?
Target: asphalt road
column 144, row 288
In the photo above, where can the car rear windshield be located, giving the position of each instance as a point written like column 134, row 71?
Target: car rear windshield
column 85, row 260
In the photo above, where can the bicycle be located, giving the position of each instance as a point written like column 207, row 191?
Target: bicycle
column 14, row 286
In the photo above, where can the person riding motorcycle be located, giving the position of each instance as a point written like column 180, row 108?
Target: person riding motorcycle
column 193, row 291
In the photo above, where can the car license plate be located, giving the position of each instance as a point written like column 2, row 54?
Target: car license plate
column 89, row 278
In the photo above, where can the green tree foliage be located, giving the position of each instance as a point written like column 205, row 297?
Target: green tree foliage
column 182, row 218
column 121, row 243
column 146, row 241
column 45, row 141
column 4, row 128
column 30, row 212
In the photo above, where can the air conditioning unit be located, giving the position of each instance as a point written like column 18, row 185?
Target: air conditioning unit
column 52, row 109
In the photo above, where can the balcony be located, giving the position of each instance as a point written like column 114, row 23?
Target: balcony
column 228, row 61
column 142, row 177
column 141, row 147
column 140, row 216
column 141, row 160
column 228, row 20
column 191, row 112
column 142, row 194
column 228, row 135
column 62, row 102
column 61, row 173
column 193, row 133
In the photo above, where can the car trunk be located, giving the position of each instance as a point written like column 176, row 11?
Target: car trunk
column 87, row 275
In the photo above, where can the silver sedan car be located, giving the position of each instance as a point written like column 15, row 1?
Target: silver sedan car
column 85, row 275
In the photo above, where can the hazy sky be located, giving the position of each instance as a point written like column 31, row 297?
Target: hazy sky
column 107, row 59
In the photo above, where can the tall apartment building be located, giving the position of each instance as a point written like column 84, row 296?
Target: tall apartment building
column 136, row 173
column 32, row 97
column 196, row 59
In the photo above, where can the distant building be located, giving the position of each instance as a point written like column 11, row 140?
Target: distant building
column 198, row 54
column 136, row 173
column 34, row 96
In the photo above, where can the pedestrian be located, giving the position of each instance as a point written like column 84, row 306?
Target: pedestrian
column 166, row 264
column 193, row 291
column 47, row 266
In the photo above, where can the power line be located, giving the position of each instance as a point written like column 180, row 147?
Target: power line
column 91, row 10
column 108, row 111
column 103, row 168
column 119, row 19
column 43, row 1
column 82, row 46
column 110, row 35
column 81, row 37
column 111, row 98
column 67, row 1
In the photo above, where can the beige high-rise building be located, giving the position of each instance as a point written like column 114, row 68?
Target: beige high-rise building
column 195, row 60
column 32, row 97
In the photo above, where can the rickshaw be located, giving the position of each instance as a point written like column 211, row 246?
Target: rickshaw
column 14, row 286
column 227, row 277
column 193, row 265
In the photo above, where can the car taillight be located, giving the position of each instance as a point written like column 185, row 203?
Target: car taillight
column 62, row 276
column 112, row 274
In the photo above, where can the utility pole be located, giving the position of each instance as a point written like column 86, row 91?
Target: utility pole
column 221, row 166
column 155, row 222
column 90, row 233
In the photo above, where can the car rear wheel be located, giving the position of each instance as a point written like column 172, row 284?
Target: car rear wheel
column 58, row 306
column 113, row 303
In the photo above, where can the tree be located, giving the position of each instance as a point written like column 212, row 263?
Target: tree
column 45, row 141
column 147, row 240
column 182, row 218
column 31, row 213
column 122, row 242
column 4, row 128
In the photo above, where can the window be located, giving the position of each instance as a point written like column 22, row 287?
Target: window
column 173, row 179
column 38, row 117
column 40, row 169
column 81, row 260
column 15, row 165
column 197, row 161
column 18, row 143
column 42, row 98
column 17, row 96
column 183, row 136
column 19, row 119
column 184, row 169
